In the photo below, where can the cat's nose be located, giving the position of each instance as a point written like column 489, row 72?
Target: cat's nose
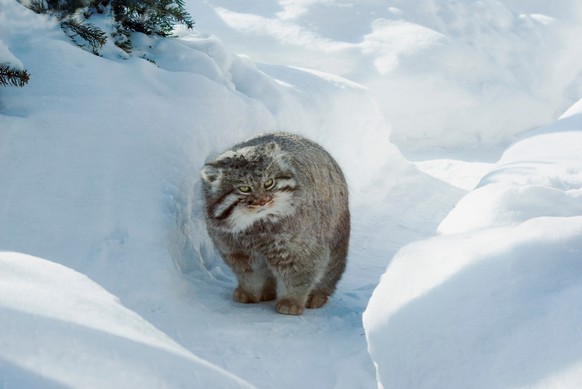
column 261, row 200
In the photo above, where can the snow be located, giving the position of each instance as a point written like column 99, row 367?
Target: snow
column 491, row 301
column 43, row 345
column 6, row 57
column 107, row 275
column 446, row 73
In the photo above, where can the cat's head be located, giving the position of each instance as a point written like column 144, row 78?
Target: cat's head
column 249, row 184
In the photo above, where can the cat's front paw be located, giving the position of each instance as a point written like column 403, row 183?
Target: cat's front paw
column 242, row 296
column 316, row 300
column 290, row 307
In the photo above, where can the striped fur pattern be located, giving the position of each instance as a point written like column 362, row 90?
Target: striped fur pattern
column 276, row 208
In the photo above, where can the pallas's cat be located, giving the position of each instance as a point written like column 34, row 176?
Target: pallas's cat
column 276, row 208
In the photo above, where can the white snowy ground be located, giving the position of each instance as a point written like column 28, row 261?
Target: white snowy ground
column 107, row 277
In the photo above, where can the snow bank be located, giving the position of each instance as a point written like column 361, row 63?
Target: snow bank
column 60, row 329
column 538, row 176
column 446, row 74
column 7, row 58
column 493, row 302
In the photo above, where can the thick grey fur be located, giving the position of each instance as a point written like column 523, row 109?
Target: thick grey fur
column 296, row 250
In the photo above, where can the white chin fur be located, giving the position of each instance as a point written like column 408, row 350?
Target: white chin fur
column 243, row 217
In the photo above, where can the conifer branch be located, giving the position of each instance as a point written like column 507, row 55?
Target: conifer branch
column 10, row 76
column 87, row 32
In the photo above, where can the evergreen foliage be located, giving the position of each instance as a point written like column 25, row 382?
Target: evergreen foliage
column 10, row 76
column 79, row 32
column 151, row 17
column 73, row 21
column 59, row 8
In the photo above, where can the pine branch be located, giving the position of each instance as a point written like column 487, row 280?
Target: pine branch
column 39, row 6
column 10, row 76
column 58, row 8
column 151, row 16
column 182, row 16
column 87, row 32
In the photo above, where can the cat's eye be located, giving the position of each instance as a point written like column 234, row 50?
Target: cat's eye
column 269, row 184
column 244, row 189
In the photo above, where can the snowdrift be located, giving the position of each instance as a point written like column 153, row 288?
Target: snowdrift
column 493, row 301
column 59, row 329
column 446, row 73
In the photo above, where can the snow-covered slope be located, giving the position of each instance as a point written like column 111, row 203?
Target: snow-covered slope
column 493, row 301
column 446, row 73
column 59, row 329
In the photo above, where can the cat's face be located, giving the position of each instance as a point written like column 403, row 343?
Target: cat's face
column 247, row 185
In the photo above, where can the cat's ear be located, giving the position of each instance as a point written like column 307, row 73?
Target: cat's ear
column 210, row 173
column 272, row 148
column 281, row 157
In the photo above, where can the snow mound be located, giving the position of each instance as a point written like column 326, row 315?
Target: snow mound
column 538, row 176
column 493, row 301
column 446, row 74
column 71, row 332
column 7, row 58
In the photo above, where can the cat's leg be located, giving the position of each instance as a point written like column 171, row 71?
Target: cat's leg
column 296, row 278
column 250, row 287
column 326, row 286
column 255, row 280
column 251, row 278
column 293, row 291
column 335, row 267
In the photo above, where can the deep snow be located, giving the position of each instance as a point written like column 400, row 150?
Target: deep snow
column 445, row 73
column 108, row 278
column 493, row 300
column 61, row 329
